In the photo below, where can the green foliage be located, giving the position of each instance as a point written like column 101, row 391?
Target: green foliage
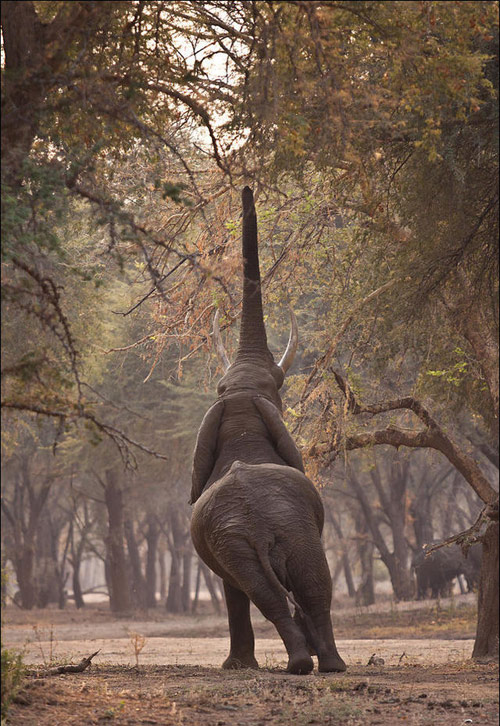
column 12, row 678
column 4, row 582
column 369, row 130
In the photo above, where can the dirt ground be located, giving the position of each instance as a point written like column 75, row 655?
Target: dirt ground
column 155, row 668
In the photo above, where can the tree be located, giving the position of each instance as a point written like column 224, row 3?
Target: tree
column 81, row 92
column 434, row 437
column 29, row 478
column 368, row 132
column 411, row 115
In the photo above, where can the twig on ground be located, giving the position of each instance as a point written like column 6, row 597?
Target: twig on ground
column 57, row 670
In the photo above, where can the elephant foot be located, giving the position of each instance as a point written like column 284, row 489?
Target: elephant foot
column 300, row 664
column 331, row 664
column 233, row 663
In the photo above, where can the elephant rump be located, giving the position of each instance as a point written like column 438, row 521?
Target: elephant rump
column 257, row 514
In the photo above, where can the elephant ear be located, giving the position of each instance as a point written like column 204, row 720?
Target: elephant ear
column 284, row 444
column 205, row 449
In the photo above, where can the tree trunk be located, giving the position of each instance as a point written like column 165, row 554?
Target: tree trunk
column 336, row 575
column 174, row 595
column 420, row 510
column 395, row 506
column 177, row 542
column 345, row 560
column 46, row 576
column 400, row 577
column 365, row 593
column 210, row 587
column 76, row 561
column 402, row 583
column 23, row 515
column 3, row 581
column 486, row 643
column 109, row 580
column 152, row 535
column 23, row 566
column 138, row 589
column 59, row 558
column 77, row 588
column 186, row 579
column 194, row 604
column 162, row 571
column 117, row 565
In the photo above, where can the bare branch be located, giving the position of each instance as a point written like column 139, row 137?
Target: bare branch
column 121, row 440
column 469, row 536
column 57, row 670
column 325, row 359
column 431, row 437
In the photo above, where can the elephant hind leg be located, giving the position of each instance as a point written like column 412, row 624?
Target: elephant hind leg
column 274, row 606
column 241, row 654
column 312, row 590
column 310, row 639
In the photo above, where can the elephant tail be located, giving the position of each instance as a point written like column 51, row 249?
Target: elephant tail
column 273, row 577
column 275, row 581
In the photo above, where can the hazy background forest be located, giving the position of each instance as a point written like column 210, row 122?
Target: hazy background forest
column 369, row 134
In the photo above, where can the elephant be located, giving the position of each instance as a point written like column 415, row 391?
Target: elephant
column 436, row 572
column 257, row 519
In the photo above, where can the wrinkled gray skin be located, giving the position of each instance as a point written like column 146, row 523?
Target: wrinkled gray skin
column 435, row 573
column 257, row 519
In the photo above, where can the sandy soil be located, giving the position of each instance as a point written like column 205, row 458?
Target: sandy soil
column 165, row 670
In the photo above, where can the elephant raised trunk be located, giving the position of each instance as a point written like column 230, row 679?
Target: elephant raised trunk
column 253, row 338
column 257, row 519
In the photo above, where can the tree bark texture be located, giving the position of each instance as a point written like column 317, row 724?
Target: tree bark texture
column 120, row 600
column 77, row 588
column 365, row 592
column 23, row 515
column 152, row 535
column 138, row 584
column 209, row 581
column 187, row 558
column 486, row 643
column 351, row 589
column 162, row 571
column 35, row 53
column 174, row 594
column 178, row 600
column 23, row 566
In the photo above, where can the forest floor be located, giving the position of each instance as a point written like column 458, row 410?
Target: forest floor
column 156, row 668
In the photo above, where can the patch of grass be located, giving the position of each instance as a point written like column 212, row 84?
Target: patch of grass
column 40, row 636
column 328, row 708
column 431, row 622
column 12, row 678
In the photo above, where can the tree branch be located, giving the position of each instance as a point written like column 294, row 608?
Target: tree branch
column 325, row 359
column 121, row 440
column 57, row 670
column 431, row 437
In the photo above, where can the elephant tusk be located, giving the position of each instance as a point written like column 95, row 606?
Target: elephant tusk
column 293, row 342
column 221, row 351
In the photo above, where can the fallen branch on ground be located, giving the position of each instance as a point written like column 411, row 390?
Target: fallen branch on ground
column 57, row 670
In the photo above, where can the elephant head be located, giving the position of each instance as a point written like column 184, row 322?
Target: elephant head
column 254, row 367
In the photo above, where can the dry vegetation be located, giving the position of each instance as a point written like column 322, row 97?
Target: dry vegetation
column 401, row 690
